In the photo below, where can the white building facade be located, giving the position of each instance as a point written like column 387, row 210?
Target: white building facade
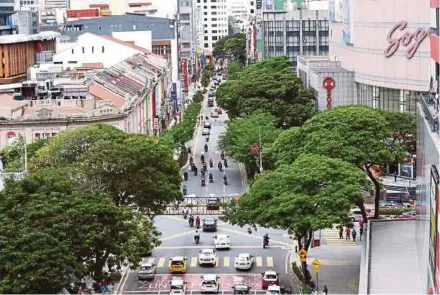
column 211, row 23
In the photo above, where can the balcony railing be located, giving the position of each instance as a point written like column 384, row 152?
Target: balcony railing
column 430, row 108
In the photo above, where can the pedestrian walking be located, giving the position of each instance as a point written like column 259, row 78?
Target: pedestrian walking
column 325, row 290
column 361, row 222
column 110, row 288
column 361, row 232
column 341, row 232
column 103, row 288
column 353, row 234
column 347, row 234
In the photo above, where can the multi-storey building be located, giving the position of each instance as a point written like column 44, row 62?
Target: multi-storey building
column 26, row 22
column 295, row 32
column 212, row 23
column 7, row 9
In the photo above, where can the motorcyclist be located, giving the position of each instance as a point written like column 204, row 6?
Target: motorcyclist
column 220, row 166
column 222, row 155
column 225, row 179
column 225, row 161
column 206, row 147
column 202, row 158
column 195, row 170
column 211, row 178
column 185, row 175
column 205, row 168
column 197, row 236
column 184, row 189
column 197, row 221
column 266, row 239
column 211, row 164
column 203, row 180
column 191, row 220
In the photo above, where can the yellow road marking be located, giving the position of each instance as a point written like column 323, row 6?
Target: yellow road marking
column 161, row 262
column 269, row 261
column 226, row 261
column 177, row 235
column 150, row 260
column 259, row 261
column 217, row 262
column 193, row 261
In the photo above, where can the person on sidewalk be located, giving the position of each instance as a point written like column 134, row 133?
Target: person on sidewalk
column 361, row 232
column 341, row 232
column 353, row 234
column 347, row 234
column 325, row 290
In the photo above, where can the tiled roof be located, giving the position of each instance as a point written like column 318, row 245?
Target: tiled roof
column 393, row 258
column 103, row 93
column 93, row 65
column 7, row 102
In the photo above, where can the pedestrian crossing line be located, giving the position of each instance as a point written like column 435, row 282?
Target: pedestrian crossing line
column 217, row 262
column 259, row 261
column 269, row 261
column 193, row 261
column 150, row 260
column 226, row 261
column 332, row 238
column 161, row 262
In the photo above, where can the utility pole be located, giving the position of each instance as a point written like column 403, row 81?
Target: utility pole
column 261, row 147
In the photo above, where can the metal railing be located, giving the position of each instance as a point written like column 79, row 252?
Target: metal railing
column 201, row 205
column 430, row 108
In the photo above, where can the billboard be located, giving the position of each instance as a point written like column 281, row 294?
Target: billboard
column 335, row 8
column 348, row 21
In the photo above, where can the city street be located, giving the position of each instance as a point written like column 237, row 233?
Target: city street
column 177, row 235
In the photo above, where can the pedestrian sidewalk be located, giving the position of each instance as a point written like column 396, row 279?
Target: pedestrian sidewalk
column 339, row 269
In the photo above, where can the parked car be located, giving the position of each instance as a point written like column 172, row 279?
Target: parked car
column 209, row 224
column 207, row 257
column 222, row 242
column 210, row 284
column 244, row 261
column 147, row 271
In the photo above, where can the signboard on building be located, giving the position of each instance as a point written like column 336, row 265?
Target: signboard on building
column 409, row 40
column 185, row 74
column 329, row 83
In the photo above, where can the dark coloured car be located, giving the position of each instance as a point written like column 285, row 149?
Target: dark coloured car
column 209, row 224
column 210, row 102
column 213, row 204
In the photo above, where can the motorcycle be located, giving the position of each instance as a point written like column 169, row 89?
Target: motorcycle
column 220, row 166
column 191, row 222
column 185, row 215
column 203, row 182
column 197, row 224
column 222, row 155
column 206, row 148
column 211, row 178
column 185, row 191
column 202, row 158
column 225, row 180
column 265, row 243
column 197, row 239
column 195, row 171
column 211, row 164
column 225, row 163
column 205, row 168
column 185, row 176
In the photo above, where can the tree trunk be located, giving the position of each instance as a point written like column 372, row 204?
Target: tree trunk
column 361, row 206
column 376, row 191
column 99, row 265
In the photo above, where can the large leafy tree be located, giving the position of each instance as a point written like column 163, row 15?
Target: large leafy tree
column 234, row 68
column 403, row 128
column 142, row 173
column 242, row 133
column 54, row 232
column 268, row 86
column 13, row 154
column 315, row 192
column 356, row 134
column 236, row 48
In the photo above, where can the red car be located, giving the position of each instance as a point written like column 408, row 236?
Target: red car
column 219, row 111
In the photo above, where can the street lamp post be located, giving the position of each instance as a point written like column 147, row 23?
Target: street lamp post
column 261, row 158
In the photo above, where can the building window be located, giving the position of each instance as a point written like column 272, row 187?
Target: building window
column 214, row 38
column 206, row 45
column 58, row 62
column 72, row 62
column 205, row 38
column 83, row 50
column 103, row 50
column 93, row 49
column 73, row 51
column 37, row 136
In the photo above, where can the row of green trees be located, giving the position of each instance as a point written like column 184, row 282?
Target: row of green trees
column 316, row 163
column 89, row 199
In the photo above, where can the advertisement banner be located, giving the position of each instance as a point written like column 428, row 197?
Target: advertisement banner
column 158, row 98
column 185, row 74
column 335, row 11
column 269, row 5
column 433, row 236
column 348, row 21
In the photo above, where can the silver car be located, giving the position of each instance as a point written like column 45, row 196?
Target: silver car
column 147, row 271
column 206, row 131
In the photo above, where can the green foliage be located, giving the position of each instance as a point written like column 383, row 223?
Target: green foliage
column 268, row 86
column 242, row 133
column 234, row 68
column 404, row 128
column 297, row 271
column 206, row 78
column 54, row 232
column 198, row 97
column 394, row 211
column 13, row 154
column 211, row 65
column 235, row 48
column 315, row 192
column 284, row 151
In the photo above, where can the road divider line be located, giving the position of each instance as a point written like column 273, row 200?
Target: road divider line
column 161, row 262
column 259, row 261
column 193, row 261
column 150, row 260
column 177, row 235
column 226, row 261
column 269, row 261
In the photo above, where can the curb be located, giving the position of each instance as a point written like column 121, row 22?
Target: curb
column 296, row 283
column 124, row 277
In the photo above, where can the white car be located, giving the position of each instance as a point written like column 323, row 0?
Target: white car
column 214, row 115
column 178, row 286
column 244, row 261
column 206, row 131
column 207, row 256
column 273, row 289
column 209, row 284
column 222, row 242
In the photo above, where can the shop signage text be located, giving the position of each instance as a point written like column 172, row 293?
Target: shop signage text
column 329, row 83
column 409, row 40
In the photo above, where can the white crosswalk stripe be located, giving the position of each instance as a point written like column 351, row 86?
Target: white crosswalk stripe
column 222, row 261
column 331, row 236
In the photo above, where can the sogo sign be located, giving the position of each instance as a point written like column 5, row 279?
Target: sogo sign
column 410, row 40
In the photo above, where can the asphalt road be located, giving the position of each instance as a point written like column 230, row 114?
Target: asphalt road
column 177, row 235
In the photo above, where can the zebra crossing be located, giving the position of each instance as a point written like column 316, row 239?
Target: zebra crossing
column 331, row 236
column 222, row 261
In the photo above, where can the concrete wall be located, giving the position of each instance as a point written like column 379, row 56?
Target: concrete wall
column 372, row 22
column 140, row 38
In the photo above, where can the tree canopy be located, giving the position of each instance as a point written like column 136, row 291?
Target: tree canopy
column 232, row 45
column 356, row 134
column 13, row 154
column 242, row 133
column 268, row 86
column 314, row 192
column 53, row 232
column 234, row 68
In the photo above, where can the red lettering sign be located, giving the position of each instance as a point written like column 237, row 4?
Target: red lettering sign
column 329, row 83
column 410, row 40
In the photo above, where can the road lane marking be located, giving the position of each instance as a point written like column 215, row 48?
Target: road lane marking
column 259, row 261
column 150, row 260
column 193, row 261
column 253, row 236
column 161, row 262
column 226, row 261
column 269, row 261
column 177, row 235
column 217, row 262
column 204, row 247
